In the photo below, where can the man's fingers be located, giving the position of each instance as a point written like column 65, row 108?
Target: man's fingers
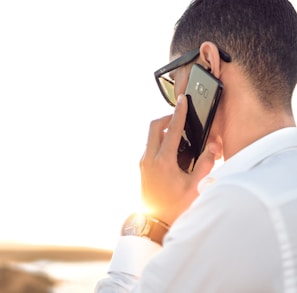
column 155, row 135
column 175, row 128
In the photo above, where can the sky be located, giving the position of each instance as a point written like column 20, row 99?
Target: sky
column 77, row 95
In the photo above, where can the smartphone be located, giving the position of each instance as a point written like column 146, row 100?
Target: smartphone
column 203, row 93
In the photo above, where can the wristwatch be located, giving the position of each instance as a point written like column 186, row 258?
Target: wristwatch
column 144, row 225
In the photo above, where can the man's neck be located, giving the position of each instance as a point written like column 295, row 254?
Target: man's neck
column 247, row 128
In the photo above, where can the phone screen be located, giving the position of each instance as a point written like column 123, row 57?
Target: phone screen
column 203, row 93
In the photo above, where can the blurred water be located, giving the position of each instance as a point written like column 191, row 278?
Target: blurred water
column 74, row 277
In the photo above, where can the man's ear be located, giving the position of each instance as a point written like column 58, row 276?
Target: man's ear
column 210, row 58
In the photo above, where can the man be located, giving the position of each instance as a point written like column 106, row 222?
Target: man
column 236, row 232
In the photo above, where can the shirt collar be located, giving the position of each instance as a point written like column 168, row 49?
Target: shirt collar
column 253, row 154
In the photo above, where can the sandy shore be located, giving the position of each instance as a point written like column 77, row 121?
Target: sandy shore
column 23, row 253
column 14, row 280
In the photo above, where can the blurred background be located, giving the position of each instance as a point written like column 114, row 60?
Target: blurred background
column 77, row 95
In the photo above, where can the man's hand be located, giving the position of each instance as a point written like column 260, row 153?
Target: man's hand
column 166, row 189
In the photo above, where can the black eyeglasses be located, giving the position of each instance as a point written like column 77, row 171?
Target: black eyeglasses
column 166, row 85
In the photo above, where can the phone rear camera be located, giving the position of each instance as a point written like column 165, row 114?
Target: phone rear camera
column 200, row 88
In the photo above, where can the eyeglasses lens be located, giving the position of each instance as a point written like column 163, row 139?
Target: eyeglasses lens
column 167, row 87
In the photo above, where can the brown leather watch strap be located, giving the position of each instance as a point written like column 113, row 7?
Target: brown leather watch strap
column 158, row 230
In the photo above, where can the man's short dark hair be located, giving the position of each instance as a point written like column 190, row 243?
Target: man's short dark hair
column 260, row 35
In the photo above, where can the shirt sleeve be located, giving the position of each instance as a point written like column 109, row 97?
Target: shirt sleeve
column 117, row 282
column 223, row 243
column 129, row 258
column 219, row 245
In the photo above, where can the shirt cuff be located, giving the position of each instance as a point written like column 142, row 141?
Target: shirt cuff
column 132, row 254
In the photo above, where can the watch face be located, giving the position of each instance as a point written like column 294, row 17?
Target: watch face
column 134, row 225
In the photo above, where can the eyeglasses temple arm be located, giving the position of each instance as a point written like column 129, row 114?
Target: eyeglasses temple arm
column 178, row 62
column 186, row 59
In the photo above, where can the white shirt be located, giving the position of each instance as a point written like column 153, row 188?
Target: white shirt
column 239, row 235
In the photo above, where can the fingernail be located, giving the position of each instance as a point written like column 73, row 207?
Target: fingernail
column 212, row 148
column 180, row 99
